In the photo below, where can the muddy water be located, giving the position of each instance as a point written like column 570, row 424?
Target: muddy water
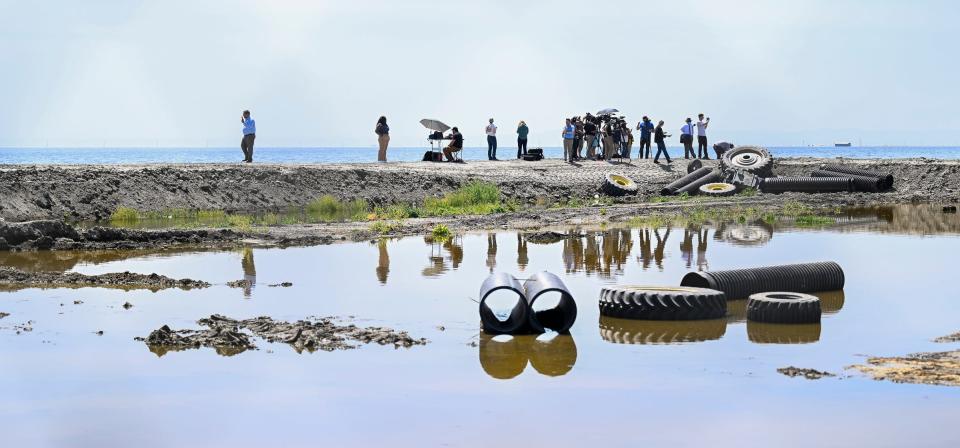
column 610, row 382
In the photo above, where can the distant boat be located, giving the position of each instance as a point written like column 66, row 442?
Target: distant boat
column 842, row 144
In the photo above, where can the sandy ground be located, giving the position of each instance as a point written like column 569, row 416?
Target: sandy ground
column 91, row 192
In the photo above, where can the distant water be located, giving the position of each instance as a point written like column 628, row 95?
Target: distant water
column 335, row 155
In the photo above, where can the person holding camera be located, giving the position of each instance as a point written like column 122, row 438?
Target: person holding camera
column 590, row 134
column 522, row 132
column 491, row 140
column 658, row 138
column 646, row 128
column 249, row 135
column 702, row 137
column 577, row 138
column 383, row 138
column 686, row 137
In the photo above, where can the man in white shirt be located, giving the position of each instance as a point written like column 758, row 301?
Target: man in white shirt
column 702, row 137
column 491, row 141
column 686, row 137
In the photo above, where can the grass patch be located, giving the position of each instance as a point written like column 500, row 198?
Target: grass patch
column 384, row 227
column 125, row 215
column 329, row 208
column 441, row 232
column 813, row 221
column 475, row 198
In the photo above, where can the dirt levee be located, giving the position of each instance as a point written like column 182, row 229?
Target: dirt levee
column 92, row 192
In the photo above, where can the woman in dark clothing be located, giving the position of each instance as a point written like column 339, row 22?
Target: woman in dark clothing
column 522, row 131
column 383, row 138
column 658, row 137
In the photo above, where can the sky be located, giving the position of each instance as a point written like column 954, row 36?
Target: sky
column 320, row 73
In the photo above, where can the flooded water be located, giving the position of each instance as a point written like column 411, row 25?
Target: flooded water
column 609, row 382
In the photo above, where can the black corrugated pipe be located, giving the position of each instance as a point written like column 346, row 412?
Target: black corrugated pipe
column 885, row 178
column 694, row 187
column 860, row 183
column 672, row 187
column 559, row 318
column 806, row 184
column 518, row 314
column 741, row 283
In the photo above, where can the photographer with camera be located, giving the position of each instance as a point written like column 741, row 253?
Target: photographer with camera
column 590, row 134
column 646, row 128
column 577, row 138
column 702, row 137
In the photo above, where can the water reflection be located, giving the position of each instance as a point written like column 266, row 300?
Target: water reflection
column 831, row 302
column 161, row 350
column 627, row 331
column 491, row 251
column 438, row 263
column 505, row 357
column 249, row 272
column 603, row 253
column 383, row 261
column 762, row 333
column 522, row 259
column 739, row 234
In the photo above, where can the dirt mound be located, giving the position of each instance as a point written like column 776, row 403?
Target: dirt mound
column 229, row 336
column 57, row 235
column 11, row 278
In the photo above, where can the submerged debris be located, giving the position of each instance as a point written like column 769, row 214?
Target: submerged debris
column 941, row 368
column 810, row 374
column 230, row 336
column 284, row 285
column 127, row 280
column 2, row 315
column 550, row 237
column 127, row 305
column 240, row 284
column 949, row 338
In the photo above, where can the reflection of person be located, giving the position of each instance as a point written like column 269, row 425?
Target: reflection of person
column 383, row 261
column 456, row 251
column 661, row 245
column 645, row 254
column 249, row 271
column 702, row 249
column 456, row 144
column 383, row 138
column 249, row 135
column 686, row 247
column 492, row 251
column 522, row 258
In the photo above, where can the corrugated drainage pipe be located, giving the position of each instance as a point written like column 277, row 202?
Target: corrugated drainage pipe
column 517, row 318
column 741, row 283
column 860, row 183
column 885, row 178
column 694, row 187
column 672, row 187
column 806, row 184
column 558, row 318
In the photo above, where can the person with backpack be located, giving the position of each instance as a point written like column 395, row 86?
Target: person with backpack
column 686, row 137
column 522, row 132
column 383, row 138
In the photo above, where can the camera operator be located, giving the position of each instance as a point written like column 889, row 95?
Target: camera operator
column 590, row 134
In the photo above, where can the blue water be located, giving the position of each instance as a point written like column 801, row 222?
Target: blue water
column 333, row 155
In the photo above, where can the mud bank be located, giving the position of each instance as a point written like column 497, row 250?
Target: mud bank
column 11, row 279
column 91, row 192
column 57, row 235
column 230, row 337
column 940, row 368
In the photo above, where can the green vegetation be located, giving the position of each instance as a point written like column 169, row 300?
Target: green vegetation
column 441, row 232
column 384, row 227
column 475, row 198
column 124, row 215
column 813, row 221
column 329, row 208
column 801, row 214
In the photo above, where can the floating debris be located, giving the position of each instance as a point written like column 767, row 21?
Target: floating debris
column 284, row 285
column 940, row 368
column 229, row 336
column 810, row 374
column 127, row 305
column 240, row 284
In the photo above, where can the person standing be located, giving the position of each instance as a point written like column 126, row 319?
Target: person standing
column 629, row 144
column 249, row 135
column 646, row 128
column 658, row 138
column 383, row 138
column 590, row 134
column 568, row 134
column 522, row 132
column 577, row 138
column 491, row 141
column 702, row 137
column 686, row 137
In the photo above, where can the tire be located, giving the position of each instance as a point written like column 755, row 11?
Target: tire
column 662, row 303
column 617, row 185
column 643, row 332
column 696, row 164
column 718, row 189
column 783, row 308
column 752, row 159
column 761, row 333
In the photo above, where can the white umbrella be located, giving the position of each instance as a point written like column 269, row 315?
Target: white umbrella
column 434, row 125
column 608, row 111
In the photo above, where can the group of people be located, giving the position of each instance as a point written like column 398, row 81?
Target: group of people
column 607, row 132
